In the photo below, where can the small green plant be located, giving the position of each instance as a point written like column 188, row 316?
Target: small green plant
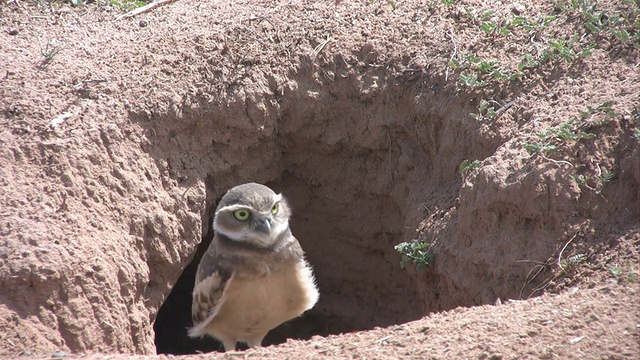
column 562, row 135
column 478, row 72
column 636, row 133
column 607, row 108
column 530, row 25
column 49, row 51
column 566, row 131
column 392, row 4
column 567, row 50
column 603, row 113
column 604, row 177
column 479, row 16
column 566, row 264
column 619, row 24
column 416, row 251
column 617, row 270
column 594, row 20
column 528, row 62
column 492, row 27
column 487, row 21
column 580, row 179
column 472, row 80
column 487, row 66
column 595, row 182
column 128, row 4
column 463, row 62
column 539, row 147
column 614, row 270
column 467, row 166
column 567, row 5
column 485, row 112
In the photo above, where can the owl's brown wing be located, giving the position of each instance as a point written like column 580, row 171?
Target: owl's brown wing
column 208, row 293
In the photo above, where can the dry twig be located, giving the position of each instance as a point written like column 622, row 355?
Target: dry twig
column 318, row 49
column 453, row 55
column 144, row 9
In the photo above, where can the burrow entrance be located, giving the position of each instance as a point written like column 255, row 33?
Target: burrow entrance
column 361, row 171
column 362, row 285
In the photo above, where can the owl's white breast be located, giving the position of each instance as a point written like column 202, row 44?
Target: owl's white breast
column 257, row 304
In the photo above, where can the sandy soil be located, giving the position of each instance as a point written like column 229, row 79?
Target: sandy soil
column 117, row 135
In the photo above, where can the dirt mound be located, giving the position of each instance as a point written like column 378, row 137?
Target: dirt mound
column 118, row 136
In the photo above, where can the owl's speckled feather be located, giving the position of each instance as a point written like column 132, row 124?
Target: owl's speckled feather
column 253, row 276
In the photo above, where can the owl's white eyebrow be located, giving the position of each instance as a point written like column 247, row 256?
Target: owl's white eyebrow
column 232, row 208
column 276, row 198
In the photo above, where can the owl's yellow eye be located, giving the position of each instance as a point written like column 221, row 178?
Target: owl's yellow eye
column 275, row 208
column 241, row 215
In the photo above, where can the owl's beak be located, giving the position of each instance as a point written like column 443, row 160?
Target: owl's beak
column 264, row 225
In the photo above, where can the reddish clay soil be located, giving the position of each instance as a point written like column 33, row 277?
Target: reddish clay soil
column 118, row 135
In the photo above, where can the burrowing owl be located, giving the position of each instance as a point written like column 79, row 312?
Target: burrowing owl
column 253, row 277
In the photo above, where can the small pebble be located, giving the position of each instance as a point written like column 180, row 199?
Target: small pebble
column 518, row 8
column 13, row 31
column 143, row 23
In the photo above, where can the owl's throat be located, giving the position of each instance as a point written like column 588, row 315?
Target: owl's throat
column 256, row 241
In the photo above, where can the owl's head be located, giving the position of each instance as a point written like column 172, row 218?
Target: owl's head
column 252, row 213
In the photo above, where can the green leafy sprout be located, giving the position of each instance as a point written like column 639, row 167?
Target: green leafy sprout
column 467, row 166
column 416, row 251
column 485, row 112
column 566, row 131
column 539, row 147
